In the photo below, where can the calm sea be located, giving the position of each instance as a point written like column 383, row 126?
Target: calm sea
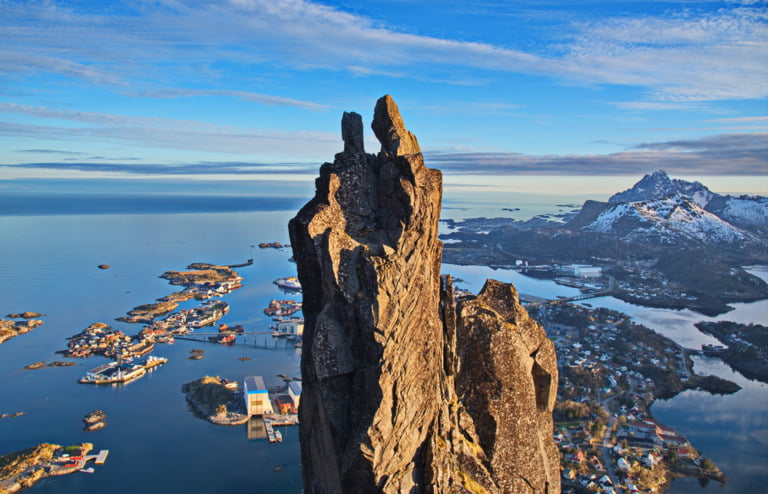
column 48, row 264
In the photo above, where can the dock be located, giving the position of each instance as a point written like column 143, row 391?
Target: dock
column 101, row 457
column 273, row 435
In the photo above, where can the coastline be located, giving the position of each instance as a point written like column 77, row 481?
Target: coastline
column 23, row 469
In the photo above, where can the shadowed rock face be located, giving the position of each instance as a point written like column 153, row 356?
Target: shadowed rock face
column 385, row 349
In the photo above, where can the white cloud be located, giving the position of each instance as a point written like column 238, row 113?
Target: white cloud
column 171, row 133
column 681, row 58
column 264, row 99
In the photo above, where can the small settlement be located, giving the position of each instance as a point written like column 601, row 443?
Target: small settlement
column 611, row 371
column 285, row 324
column 25, row 468
column 130, row 353
column 263, row 408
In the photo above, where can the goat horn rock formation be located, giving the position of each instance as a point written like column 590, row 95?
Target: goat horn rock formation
column 406, row 390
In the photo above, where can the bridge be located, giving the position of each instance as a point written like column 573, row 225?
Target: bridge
column 610, row 290
column 205, row 337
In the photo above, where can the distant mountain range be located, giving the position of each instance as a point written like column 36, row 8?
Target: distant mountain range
column 748, row 212
column 696, row 238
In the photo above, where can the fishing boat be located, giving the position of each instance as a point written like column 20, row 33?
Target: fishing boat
column 290, row 284
column 122, row 371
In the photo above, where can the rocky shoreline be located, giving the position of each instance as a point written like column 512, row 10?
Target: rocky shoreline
column 10, row 328
column 745, row 350
column 23, row 469
column 215, row 399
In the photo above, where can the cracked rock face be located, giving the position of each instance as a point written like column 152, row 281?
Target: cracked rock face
column 402, row 390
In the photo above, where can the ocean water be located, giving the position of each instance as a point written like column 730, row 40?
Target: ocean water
column 48, row 264
column 731, row 430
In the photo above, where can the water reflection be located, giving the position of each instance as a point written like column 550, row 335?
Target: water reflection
column 256, row 428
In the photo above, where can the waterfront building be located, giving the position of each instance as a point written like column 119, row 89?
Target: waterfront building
column 256, row 396
column 291, row 326
column 284, row 404
column 294, row 391
column 586, row 271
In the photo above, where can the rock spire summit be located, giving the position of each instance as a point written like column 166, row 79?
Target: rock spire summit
column 404, row 389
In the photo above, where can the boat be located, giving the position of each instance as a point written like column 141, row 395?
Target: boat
column 290, row 283
column 87, row 470
column 113, row 372
column 241, row 265
column 278, row 309
column 223, row 338
column 122, row 371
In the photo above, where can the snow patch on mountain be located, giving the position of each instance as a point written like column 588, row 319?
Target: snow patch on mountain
column 658, row 185
column 743, row 211
column 667, row 221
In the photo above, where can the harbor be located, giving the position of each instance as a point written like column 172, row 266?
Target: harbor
column 263, row 408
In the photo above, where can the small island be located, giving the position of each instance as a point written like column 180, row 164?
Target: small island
column 23, row 469
column 94, row 421
column 272, row 245
column 10, row 328
column 216, row 400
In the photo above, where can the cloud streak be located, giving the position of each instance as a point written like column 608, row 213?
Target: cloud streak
column 679, row 59
column 252, row 97
column 727, row 154
column 169, row 133
column 186, row 170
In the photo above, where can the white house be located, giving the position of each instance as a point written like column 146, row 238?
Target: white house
column 290, row 326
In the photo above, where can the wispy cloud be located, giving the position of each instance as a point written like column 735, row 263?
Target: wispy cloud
column 51, row 151
column 728, row 154
column 741, row 120
column 186, row 170
column 264, row 99
column 170, row 133
column 679, row 59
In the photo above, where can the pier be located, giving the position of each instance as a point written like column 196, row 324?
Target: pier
column 206, row 338
column 101, row 457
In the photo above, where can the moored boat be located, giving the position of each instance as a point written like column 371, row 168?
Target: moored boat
column 290, row 283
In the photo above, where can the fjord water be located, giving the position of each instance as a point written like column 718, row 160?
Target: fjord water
column 156, row 444
column 731, row 430
column 48, row 264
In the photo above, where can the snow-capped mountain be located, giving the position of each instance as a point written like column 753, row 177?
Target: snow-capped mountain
column 658, row 185
column 750, row 212
column 670, row 221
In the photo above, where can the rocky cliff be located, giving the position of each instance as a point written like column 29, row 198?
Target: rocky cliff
column 404, row 389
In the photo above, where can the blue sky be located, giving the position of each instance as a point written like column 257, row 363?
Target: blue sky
column 256, row 88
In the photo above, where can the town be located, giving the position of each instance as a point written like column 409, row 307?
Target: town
column 611, row 371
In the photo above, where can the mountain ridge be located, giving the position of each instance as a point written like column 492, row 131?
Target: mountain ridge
column 747, row 212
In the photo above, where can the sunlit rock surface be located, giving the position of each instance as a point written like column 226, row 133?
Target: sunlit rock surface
column 402, row 390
